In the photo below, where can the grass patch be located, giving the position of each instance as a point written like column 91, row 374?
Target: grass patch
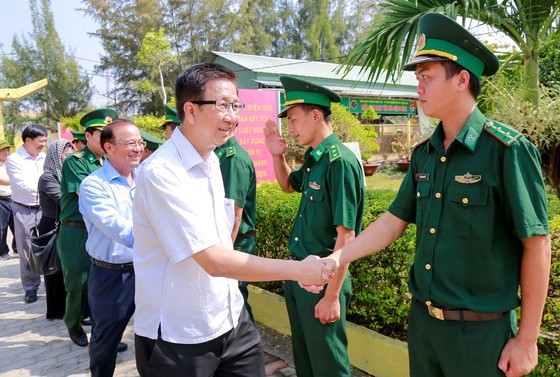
column 388, row 178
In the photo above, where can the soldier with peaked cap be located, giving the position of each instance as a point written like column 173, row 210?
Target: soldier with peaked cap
column 329, row 216
column 240, row 185
column 171, row 121
column 476, row 193
column 72, row 235
column 79, row 139
column 151, row 144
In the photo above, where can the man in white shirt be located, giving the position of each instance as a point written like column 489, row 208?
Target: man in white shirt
column 190, row 318
column 6, row 217
column 24, row 168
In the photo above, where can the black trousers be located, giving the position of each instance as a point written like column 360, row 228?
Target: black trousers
column 111, row 301
column 6, row 221
column 237, row 353
column 54, row 284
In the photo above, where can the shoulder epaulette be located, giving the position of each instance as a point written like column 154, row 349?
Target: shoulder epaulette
column 334, row 153
column 420, row 142
column 79, row 154
column 504, row 134
column 230, row 151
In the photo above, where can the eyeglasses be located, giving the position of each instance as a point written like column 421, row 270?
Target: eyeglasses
column 223, row 105
column 132, row 144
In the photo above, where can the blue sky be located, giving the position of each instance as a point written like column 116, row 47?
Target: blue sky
column 72, row 26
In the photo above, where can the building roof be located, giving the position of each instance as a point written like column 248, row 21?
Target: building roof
column 305, row 68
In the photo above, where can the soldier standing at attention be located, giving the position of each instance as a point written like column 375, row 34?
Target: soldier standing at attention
column 240, row 184
column 329, row 216
column 72, row 236
column 476, row 193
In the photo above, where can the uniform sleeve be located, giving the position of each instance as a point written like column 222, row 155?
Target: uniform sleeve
column 296, row 179
column 73, row 173
column 345, row 184
column 404, row 205
column 524, row 189
column 237, row 179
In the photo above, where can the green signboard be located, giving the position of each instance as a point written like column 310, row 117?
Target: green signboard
column 381, row 105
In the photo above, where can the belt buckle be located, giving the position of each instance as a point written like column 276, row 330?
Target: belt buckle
column 435, row 312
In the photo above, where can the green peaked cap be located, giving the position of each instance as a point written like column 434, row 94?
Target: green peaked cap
column 4, row 144
column 441, row 38
column 78, row 135
column 99, row 118
column 151, row 141
column 299, row 91
column 171, row 115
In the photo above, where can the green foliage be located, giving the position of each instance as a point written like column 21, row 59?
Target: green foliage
column 531, row 25
column 151, row 124
column 380, row 298
column 156, row 53
column 350, row 129
column 41, row 55
column 370, row 115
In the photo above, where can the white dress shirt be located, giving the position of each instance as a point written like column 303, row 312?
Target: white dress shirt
column 24, row 172
column 179, row 210
column 5, row 190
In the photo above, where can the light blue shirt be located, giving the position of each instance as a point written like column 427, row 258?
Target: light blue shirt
column 106, row 203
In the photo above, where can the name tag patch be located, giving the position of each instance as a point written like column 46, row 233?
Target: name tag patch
column 422, row 177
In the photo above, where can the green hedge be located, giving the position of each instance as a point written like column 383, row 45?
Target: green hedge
column 380, row 298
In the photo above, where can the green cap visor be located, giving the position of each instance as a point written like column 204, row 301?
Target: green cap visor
column 299, row 92
column 170, row 115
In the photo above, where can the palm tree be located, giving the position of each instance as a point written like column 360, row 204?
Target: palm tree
column 533, row 25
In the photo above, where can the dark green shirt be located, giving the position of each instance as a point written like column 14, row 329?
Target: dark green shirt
column 472, row 206
column 332, row 187
column 240, row 182
column 76, row 167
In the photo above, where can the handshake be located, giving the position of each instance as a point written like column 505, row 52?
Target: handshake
column 316, row 272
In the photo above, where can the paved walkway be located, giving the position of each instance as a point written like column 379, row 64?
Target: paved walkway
column 31, row 345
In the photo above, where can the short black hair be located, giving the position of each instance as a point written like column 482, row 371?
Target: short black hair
column 32, row 131
column 191, row 83
column 327, row 113
column 452, row 69
column 108, row 133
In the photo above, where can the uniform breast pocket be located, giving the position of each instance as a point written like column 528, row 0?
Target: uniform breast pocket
column 314, row 197
column 422, row 195
column 469, row 211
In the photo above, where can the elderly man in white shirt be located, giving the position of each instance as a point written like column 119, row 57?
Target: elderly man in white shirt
column 190, row 318
column 24, row 168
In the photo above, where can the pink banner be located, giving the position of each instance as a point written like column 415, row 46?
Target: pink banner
column 260, row 106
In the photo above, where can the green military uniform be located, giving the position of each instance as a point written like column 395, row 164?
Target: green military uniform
column 472, row 205
column 72, row 236
column 71, row 241
column 331, row 183
column 240, row 184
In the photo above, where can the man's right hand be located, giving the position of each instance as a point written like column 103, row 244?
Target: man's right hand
column 274, row 142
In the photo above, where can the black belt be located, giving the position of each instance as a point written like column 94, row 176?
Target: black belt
column 5, row 198
column 241, row 236
column 28, row 206
column 74, row 224
column 459, row 314
column 113, row 266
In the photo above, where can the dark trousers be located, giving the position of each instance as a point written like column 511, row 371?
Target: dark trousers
column 456, row 348
column 71, row 245
column 54, row 284
column 319, row 350
column 237, row 353
column 111, row 301
column 6, row 221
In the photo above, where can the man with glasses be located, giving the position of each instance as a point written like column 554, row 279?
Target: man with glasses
column 190, row 318
column 72, row 236
column 106, row 197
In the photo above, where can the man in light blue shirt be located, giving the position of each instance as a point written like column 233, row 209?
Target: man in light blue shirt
column 105, row 200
